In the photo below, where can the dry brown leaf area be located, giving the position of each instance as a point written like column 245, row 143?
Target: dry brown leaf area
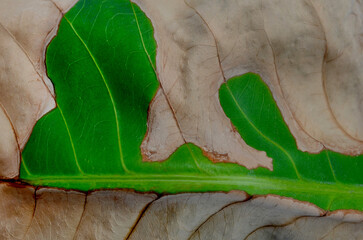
column 27, row 212
column 26, row 93
column 309, row 52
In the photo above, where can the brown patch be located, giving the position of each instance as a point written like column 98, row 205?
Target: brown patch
column 348, row 215
column 322, row 211
column 216, row 157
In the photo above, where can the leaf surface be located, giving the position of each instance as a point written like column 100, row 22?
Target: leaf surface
column 102, row 64
column 37, row 213
column 26, row 93
column 314, row 73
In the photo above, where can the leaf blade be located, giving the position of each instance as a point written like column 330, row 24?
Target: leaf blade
column 128, row 68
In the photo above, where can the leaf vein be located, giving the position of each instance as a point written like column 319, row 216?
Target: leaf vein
column 71, row 141
column 108, row 90
column 166, row 96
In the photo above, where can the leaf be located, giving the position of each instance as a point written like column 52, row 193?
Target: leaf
column 116, row 214
column 26, row 93
column 300, row 54
column 101, row 64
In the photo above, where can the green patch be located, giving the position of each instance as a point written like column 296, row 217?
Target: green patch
column 102, row 66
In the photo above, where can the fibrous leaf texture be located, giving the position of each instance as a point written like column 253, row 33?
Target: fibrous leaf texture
column 131, row 88
column 309, row 55
column 175, row 85
column 45, row 213
column 26, row 93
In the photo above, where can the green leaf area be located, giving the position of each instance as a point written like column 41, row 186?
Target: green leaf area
column 101, row 63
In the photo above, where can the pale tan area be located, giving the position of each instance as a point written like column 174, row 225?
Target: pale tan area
column 308, row 52
column 16, row 210
column 348, row 216
column 9, row 149
column 166, row 131
column 47, row 213
column 55, row 211
column 26, row 93
column 230, row 223
column 178, row 216
column 303, row 64
column 64, row 5
column 190, row 76
column 312, row 228
column 343, row 62
column 111, row 214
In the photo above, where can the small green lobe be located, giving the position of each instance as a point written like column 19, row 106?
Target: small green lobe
column 102, row 64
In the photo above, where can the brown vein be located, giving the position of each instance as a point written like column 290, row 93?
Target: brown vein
column 14, row 131
column 215, row 213
column 331, row 230
column 28, row 57
column 80, row 219
column 292, row 221
column 141, row 215
column 235, row 100
column 162, row 89
column 323, row 77
column 278, row 79
column 33, row 214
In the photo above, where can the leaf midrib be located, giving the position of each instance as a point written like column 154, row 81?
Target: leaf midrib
column 296, row 185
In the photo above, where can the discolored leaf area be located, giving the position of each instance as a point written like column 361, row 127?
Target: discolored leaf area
column 26, row 93
column 310, row 57
column 110, row 78
column 44, row 213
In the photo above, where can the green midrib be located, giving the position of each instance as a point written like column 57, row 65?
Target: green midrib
column 258, row 183
column 322, row 193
